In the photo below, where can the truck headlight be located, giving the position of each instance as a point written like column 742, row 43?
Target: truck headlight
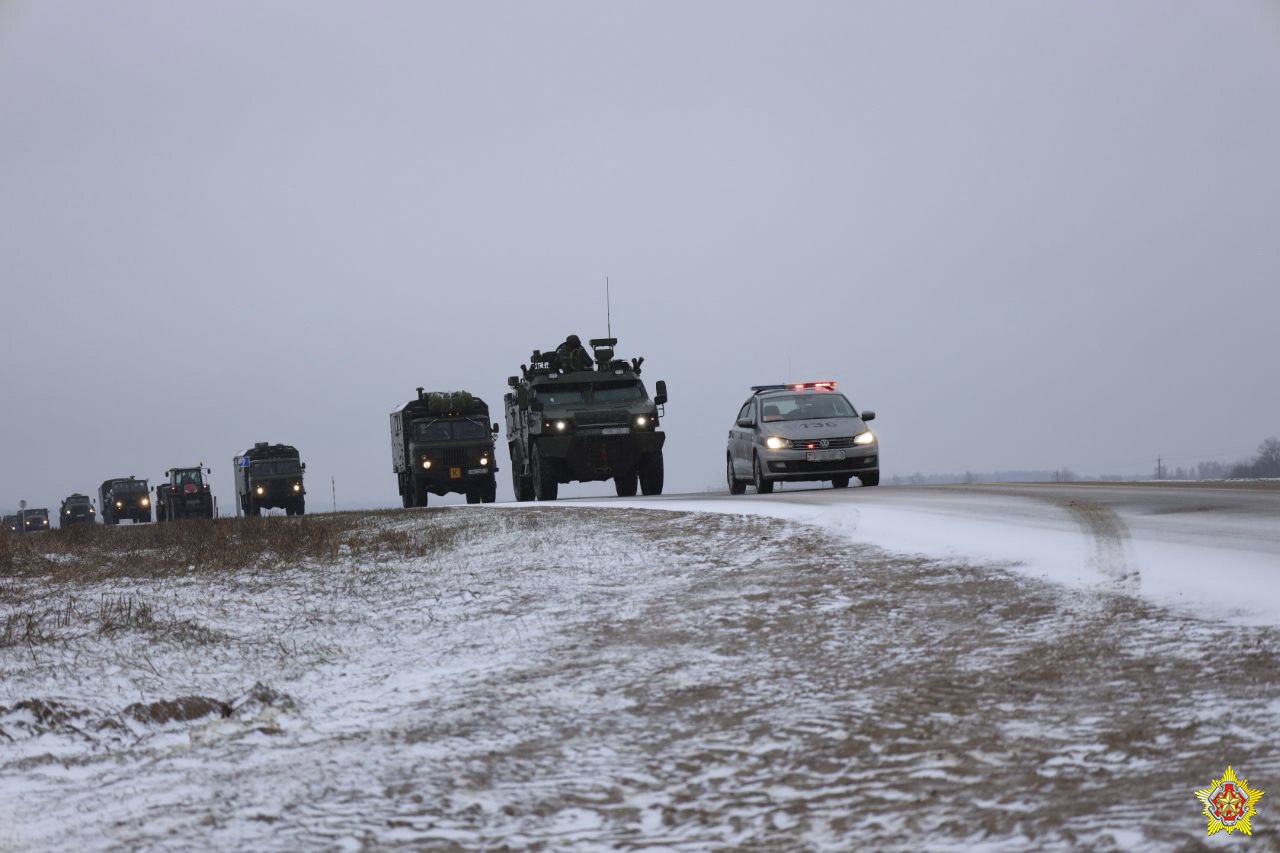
column 146, row 501
column 484, row 460
column 426, row 463
column 260, row 490
column 864, row 438
column 297, row 487
column 119, row 504
column 774, row 442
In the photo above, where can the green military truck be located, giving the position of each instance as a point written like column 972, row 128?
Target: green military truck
column 442, row 442
column 124, row 497
column 76, row 509
column 579, row 416
column 184, row 494
column 269, row 476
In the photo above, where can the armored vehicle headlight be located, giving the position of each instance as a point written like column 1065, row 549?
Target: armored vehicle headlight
column 642, row 420
column 865, row 438
column 561, row 426
column 119, row 504
column 774, row 442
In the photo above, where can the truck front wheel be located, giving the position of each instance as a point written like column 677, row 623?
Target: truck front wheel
column 651, row 473
column 489, row 493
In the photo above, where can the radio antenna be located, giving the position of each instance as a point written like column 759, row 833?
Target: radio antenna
column 608, row 310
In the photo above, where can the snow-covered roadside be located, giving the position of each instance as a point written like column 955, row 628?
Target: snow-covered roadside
column 576, row 677
column 1071, row 543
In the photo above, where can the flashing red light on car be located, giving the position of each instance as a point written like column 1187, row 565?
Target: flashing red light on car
column 816, row 386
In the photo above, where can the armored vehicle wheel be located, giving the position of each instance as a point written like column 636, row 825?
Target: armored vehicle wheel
column 763, row 486
column 736, row 486
column 490, row 492
column 625, row 484
column 545, row 487
column 473, row 496
column 651, row 473
column 840, row 483
column 870, row 479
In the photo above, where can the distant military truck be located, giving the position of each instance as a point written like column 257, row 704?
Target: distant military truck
column 578, row 416
column 184, row 494
column 10, row 524
column 442, row 442
column 33, row 520
column 76, row 509
column 124, row 497
column 269, row 476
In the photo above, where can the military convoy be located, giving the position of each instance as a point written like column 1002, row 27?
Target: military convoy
column 124, row 498
column 442, row 442
column 185, row 494
column 579, row 416
column 269, row 476
column 76, row 509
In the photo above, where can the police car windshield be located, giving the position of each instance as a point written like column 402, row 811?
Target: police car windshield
column 558, row 395
column 803, row 407
column 614, row 392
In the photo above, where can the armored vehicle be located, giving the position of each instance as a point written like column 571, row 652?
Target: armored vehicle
column 267, row 476
column 124, row 497
column 185, row 494
column 804, row 431
column 442, row 442
column 33, row 520
column 578, row 416
column 76, row 509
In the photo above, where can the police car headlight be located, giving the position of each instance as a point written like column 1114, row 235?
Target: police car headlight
column 774, row 442
column 863, row 439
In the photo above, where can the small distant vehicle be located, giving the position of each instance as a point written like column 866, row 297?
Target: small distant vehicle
column 124, row 498
column 10, row 524
column 185, row 494
column 797, row 432
column 442, row 442
column 33, row 520
column 76, row 509
column 269, row 476
column 574, row 415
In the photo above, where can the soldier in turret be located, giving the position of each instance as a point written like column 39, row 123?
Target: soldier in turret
column 573, row 355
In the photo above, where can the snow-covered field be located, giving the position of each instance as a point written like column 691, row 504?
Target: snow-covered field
column 575, row 676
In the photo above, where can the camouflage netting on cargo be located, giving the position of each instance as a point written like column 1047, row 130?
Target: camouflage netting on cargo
column 449, row 402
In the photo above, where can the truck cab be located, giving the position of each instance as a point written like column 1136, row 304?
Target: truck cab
column 269, row 476
column 123, row 498
column 33, row 520
column 76, row 509
column 442, row 442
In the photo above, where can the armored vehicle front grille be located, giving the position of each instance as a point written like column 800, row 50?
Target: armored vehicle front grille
column 455, row 456
column 612, row 416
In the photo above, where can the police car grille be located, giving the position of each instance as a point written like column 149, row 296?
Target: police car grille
column 817, row 443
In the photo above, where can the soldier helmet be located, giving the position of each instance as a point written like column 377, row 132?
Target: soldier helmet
column 573, row 341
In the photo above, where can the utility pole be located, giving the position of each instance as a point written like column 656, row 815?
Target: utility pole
column 333, row 485
column 1159, row 467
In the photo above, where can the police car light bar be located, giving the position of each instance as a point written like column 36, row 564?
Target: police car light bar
column 824, row 385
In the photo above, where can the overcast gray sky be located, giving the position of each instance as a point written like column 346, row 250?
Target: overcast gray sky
column 1026, row 234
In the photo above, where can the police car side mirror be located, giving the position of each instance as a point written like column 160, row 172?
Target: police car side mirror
column 746, row 422
column 660, row 397
column 868, row 415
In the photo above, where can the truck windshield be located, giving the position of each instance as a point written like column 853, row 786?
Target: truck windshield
column 448, row 430
column 279, row 468
column 618, row 392
column 559, row 395
column 187, row 478
column 801, row 407
column 129, row 487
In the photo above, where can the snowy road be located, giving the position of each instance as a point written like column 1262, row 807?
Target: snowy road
column 572, row 677
column 1211, row 548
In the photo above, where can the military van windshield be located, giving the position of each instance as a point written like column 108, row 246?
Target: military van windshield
column 561, row 395
column 278, row 468
column 448, row 430
column 803, row 407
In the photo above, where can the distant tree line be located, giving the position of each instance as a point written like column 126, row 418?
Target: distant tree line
column 1265, row 463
